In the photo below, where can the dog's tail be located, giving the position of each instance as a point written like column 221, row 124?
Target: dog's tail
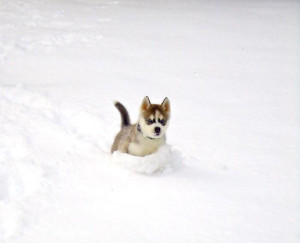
column 124, row 114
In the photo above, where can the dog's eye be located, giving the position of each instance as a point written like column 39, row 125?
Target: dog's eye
column 149, row 121
column 163, row 122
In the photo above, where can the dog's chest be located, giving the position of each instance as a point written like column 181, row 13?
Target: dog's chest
column 145, row 146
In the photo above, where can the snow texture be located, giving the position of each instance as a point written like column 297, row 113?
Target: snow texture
column 229, row 172
column 165, row 157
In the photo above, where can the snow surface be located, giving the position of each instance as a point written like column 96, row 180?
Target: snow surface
column 229, row 172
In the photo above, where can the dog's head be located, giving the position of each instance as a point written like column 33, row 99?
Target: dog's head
column 154, row 118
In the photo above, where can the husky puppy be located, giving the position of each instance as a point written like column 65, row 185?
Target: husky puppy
column 148, row 134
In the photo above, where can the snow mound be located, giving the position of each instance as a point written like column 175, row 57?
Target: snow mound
column 10, row 217
column 166, row 158
column 19, row 181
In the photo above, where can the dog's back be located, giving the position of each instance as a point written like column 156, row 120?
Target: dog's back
column 123, row 139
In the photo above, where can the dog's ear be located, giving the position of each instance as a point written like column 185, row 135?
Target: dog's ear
column 166, row 105
column 145, row 104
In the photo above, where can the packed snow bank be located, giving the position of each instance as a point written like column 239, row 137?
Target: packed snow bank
column 165, row 158
column 23, row 116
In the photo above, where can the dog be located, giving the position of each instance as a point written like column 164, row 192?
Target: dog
column 148, row 134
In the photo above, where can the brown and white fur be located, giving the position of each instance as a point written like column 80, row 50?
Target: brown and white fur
column 148, row 134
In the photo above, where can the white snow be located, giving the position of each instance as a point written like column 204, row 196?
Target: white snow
column 229, row 172
column 164, row 158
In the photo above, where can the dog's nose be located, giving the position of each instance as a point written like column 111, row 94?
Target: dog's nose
column 157, row 130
